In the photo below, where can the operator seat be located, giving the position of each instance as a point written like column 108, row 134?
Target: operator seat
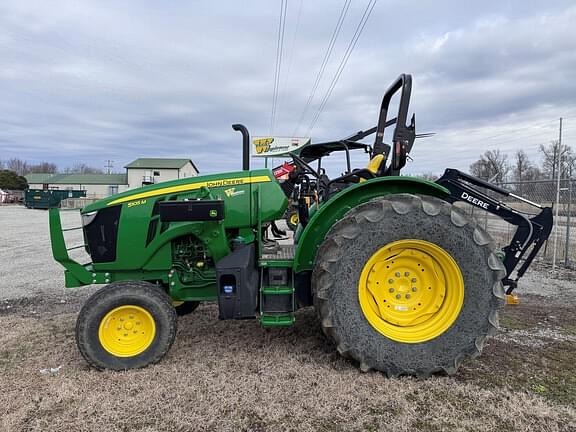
column 374, row 166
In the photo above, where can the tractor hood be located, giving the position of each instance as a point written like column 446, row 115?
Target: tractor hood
column 222, row 184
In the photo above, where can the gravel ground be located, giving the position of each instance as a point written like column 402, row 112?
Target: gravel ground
column 234, row 375
column 28, row 269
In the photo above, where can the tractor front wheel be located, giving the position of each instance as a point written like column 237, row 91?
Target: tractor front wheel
column 185, row 307
column 292, row 219
column 126, row 325
column 407, row 285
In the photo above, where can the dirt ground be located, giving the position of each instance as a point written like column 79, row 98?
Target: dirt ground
column 234, row 375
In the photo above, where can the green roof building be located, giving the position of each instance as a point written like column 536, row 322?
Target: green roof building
column 38, row 178
column 140, row 172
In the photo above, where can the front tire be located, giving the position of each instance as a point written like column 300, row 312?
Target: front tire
column 406, row 284
column 185, row 307
column 126, row 325
column 292, row 219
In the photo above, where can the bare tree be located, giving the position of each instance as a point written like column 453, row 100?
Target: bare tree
column 521, row 165
column 549, row 161
column 43, row 167
column 82, row 168
column 430, row 176
column 568, row 163
column 19, row 166
column 492, row 165
column 550, row 154
column 524, row 169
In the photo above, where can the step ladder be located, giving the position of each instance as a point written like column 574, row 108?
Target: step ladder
column 277, row 300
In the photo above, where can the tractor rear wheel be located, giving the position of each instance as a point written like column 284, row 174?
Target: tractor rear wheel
column 126, row 325
column 407, row 285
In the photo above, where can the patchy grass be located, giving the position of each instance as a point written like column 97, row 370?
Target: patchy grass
column 223, row 375
column 570, row 329
column 546, row 371
column 513, row 323
column 534, row 352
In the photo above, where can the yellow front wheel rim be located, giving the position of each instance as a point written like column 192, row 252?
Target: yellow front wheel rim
column 127, row 331
column 411, row 291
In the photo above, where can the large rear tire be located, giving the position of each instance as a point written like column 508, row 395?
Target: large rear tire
column 126, row 325
column 407, row 285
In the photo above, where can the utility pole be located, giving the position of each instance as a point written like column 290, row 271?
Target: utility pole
column 109, row 165
column 558, row 173
column 568, row 210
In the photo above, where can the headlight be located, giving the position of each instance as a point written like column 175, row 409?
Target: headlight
column 87, row 218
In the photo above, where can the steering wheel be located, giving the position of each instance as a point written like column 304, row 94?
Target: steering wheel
column 302, row 164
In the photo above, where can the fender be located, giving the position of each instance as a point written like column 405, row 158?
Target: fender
column 332, row 211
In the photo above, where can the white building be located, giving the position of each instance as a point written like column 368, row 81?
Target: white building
column 138, row 173
column 145, row 171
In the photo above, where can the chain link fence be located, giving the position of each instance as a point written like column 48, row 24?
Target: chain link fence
column 77, row 203
column 562, row 241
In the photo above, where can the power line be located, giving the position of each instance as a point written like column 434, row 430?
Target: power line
column 543, row 138
column 483, row 141
column 335, row 34
column 508, row 137
column 279, row 48
column 291, row 56
column 457, row 152
column 344, row 61
column 548, row 127
column 522, row 130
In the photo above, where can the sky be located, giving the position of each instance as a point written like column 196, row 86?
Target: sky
column 92, row 80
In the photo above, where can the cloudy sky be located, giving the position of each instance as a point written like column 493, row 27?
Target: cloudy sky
column 86, row 81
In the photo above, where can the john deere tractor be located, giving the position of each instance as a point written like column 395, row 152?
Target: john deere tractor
column 402, row 280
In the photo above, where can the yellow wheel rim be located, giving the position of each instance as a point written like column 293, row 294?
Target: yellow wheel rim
column 411, row 291
column 127, row 331
column 294, row 218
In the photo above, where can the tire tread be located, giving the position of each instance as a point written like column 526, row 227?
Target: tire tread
column 117, row 289
column 348, row 229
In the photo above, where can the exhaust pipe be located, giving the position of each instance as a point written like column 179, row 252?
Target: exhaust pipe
column 245, row 145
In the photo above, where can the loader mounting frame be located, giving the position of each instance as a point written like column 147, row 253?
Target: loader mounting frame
column 531, row 232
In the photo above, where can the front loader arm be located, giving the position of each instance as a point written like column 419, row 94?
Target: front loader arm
column 530, row 232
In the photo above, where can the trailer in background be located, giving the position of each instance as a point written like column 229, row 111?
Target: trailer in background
column 45, row 199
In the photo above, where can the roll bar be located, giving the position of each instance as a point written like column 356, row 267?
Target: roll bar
column 401, row 131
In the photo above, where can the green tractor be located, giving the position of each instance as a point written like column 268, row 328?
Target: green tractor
column 401, row 279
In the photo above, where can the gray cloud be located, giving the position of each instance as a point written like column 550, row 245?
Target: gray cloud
column 100, row 80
